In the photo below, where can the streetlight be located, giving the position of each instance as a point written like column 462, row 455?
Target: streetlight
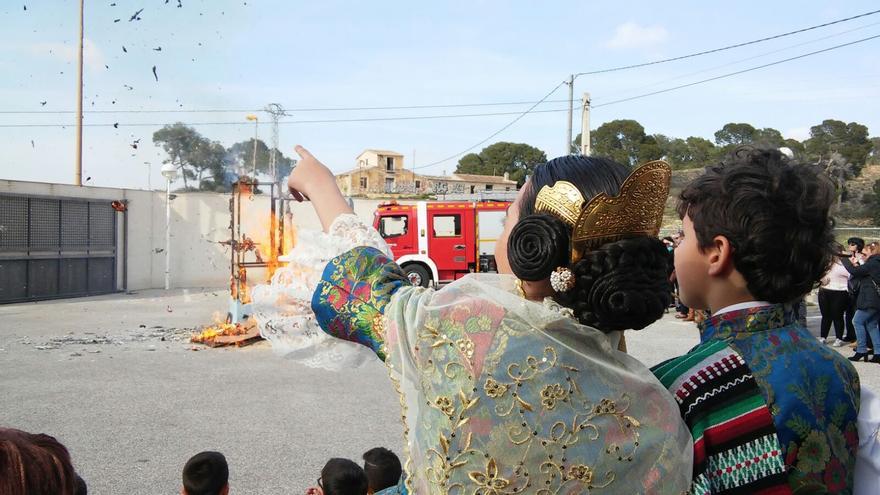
column 256, row 128
column 169, row 171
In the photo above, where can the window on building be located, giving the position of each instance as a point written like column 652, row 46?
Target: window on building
column 363, row 182
column 488, row 187
column 447, row 225
column 507, row 188
column 393, row 226
column 389, row 185
column 389, row 163
column 418, row 184
column 473, row 189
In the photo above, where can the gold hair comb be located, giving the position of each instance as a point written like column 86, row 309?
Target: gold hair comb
column 636, row 210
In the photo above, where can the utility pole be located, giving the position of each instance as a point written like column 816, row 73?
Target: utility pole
column 570, row 83
column 79, row 101
column 585, row 125
column 276, row 111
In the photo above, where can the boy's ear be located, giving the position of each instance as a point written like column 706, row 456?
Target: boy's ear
column 720, row 256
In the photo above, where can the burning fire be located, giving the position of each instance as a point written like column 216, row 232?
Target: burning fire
column 256, row 239
column 220, row 328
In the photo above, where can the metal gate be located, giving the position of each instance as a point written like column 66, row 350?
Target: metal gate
column 53, row 248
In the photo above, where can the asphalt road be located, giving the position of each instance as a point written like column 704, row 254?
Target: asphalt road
column 115, row 380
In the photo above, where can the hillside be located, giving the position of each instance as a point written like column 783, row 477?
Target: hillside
column 854, row 211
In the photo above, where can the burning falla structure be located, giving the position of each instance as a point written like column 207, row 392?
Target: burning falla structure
column 256, row 240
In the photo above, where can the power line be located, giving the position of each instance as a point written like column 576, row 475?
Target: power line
column 450, row 116
column 288, row 122
column 729, row 47
column 499, row 131
column 654, row 92
column 458, row 105
column 251, row 110
column 729, row 74
column 735, row 62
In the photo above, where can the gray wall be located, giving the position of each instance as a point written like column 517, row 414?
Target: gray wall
column 199, row 221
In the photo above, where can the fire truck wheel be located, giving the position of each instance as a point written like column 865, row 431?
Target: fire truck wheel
column 417, row 274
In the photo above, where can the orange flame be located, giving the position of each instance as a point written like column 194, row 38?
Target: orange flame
column 217, row 329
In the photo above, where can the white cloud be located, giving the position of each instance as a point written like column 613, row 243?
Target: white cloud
column 632, row 35
column 93, row 57
column 799, row 133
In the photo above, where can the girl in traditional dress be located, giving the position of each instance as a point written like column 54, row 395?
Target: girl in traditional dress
column 511, row 382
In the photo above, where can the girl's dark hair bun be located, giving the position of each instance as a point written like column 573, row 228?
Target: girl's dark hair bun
column 537, row 245
column 622, row 285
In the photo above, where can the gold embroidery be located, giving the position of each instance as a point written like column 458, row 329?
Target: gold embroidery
column 488, row 481
column 528, row 393
column 466, row 346
column 494, row 389
column 552, row 393
column 444, row 404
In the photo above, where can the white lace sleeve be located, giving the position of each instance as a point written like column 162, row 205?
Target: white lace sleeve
column 283, row 307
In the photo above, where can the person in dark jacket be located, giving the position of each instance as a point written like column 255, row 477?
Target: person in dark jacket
column 867, row 302
column 856, row 245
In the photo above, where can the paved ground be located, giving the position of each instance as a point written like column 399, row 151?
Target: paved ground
column 116, row 381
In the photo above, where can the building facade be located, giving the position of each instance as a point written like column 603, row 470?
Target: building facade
column 383, row 173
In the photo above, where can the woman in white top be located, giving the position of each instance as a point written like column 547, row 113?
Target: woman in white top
column 833, row 301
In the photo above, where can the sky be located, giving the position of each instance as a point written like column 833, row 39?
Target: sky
column 235, row 57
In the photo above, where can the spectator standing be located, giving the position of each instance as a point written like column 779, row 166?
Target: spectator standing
column 868, row 302
column 834, row 301
column 856, row 247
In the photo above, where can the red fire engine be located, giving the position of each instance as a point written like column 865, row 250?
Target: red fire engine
column 438, row 242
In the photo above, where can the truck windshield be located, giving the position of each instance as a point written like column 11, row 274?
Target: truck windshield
column 392, row 226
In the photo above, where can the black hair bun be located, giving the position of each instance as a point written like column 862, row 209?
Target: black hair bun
column 537, row 245
column 622, row 285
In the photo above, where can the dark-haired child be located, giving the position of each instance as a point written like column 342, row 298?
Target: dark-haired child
column 341, row 477
column 769, row 408
column 206, row 473
column 383, row 471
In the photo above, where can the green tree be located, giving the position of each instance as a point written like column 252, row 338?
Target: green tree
column 620, row 140
column 183, row 144
column 768, row 136
column 678, row 153
column 875, row 151
column 215, row 160
column 834, row 136
column 517, row 159
column 242, row 156
column 839, row 170
column 702, row 151
column 733, row 134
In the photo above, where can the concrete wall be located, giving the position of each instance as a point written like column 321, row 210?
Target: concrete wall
column 199, row 222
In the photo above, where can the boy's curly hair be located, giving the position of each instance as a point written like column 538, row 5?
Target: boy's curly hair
column 774, row 212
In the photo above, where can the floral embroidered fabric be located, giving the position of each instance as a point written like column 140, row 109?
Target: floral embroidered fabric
column 499, row 395
column 811, row 391
column 283, row 307
column 502, row 395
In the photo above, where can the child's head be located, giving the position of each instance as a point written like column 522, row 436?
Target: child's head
column 34, row 464
column 382, row 468
column 206, row 473
column 343, row 477
column 756, row 227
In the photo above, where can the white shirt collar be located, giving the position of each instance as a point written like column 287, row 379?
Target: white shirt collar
column 742, row 305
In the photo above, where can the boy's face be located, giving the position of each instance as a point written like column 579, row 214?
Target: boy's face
column 691, row 268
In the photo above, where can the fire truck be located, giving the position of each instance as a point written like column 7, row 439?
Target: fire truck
column 438, row 242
